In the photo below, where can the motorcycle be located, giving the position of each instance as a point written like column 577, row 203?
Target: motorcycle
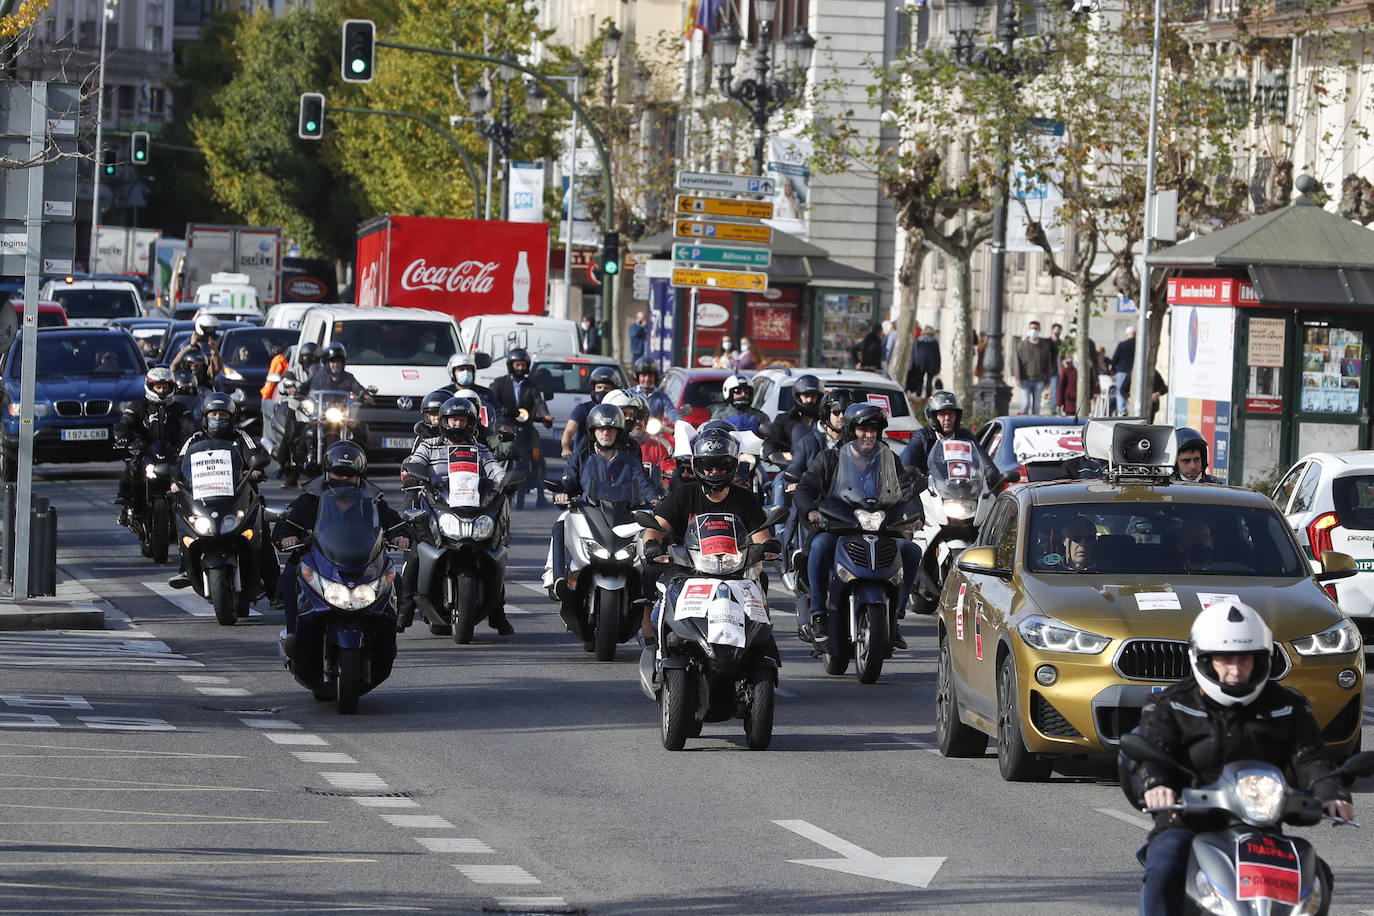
column 462, row 555
column 715, row 635
column 956, row 501
column 601, row 541
column 219, row 515
column 153, row 470
column 326, row 416
column 1248, row 864
column 869, row 516
column 345, row 640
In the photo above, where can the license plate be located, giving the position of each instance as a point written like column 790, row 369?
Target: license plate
column 79, row 435
column 397, row 442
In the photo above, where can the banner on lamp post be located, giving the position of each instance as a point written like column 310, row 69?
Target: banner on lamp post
column 526, row 203
column 787, row 165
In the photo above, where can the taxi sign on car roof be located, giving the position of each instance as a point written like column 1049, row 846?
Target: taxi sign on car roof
column 1131, row 448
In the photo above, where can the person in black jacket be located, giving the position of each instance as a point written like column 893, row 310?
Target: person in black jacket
column 780, row 432
column 1190, row 458
column 943, row 416
column 868, row 353
column 159, row 417
column 1227, row 710
column 519, row 404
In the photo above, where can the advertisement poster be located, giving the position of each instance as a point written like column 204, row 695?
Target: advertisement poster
column 526, row 204
column 1332, row 360
column 773, row 326
column 1202, row 354
column 1264, row 358
column 787, row 165
column 1036, row 201
column 847, row 319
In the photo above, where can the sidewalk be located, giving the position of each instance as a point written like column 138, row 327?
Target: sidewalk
column 74, row 607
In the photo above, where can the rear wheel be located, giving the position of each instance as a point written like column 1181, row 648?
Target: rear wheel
column 1013, row 760
column 758, row 713
column 220, row 591
column 607, row 623
column 464, row 608
column 161, row 529
column 954, row 738
column 872, row 643
column 674, row 708
column 350, row 683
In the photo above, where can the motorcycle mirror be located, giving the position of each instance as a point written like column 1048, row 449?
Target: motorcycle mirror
column 553, row 486
column 1361, row 764
column 272, row 515
column 481, row 360
column 260, row 460
column 645, row 518
column 1012, row 476
column 772, row 546
column 662, row 558
column 517, row 476
column 414, row 516
column 371, row 389
column 1139, row 749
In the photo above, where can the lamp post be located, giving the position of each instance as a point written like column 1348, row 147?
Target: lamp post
column 762, row 95
column 107, row 12
column 501, row 130
column 992, row 395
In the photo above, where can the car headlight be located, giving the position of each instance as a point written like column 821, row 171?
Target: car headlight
column 483, row 527
column 450, row 525
column 1261, row 798
column 1338, row 639
column 1056, row 636
column 334, row 415
column 150, row 471
column 870, row 521
column 203, row 525
column 959, row 508
column 40, row 409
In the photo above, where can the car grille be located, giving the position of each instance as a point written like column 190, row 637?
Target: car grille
column 1048, row 720
column 1167, row 660
column 858, row 552
column 67, row 408
column 95, row 408
column 98, row 408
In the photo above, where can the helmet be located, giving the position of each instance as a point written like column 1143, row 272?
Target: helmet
column 715, row 458
column 864, row 414
column 620, row 399
column 807, row 384
column 641, row 407
column 472, row 396
column 458, row 407
column 645, row 366
column 196, row 363
column 159, row 375
column 836, row 400
column 1230, row 627
column 718, row 425
column 941, row 401
column 462, row 361
column 737, row 391
column 601, row 375
column 335, row 350
column 207, row 325
column 185, row 380
column 606, row 416
column 218, row 427
column 308, row 354
column 434, row 401
column 514, row 356
column 345, row 458
column 1189, row 438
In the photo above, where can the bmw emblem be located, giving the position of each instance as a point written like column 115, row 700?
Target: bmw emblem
column 404, row 403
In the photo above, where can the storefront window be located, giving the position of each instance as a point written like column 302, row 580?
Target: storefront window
column 1332, row 360
column 847, row 319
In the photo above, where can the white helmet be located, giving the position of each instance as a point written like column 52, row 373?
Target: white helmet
column 159, row 375
column 1230, row 627
column 461, row 360
column 471, row 395
column 206, row 324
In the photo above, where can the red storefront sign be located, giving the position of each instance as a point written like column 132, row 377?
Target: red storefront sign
column 1227, row 291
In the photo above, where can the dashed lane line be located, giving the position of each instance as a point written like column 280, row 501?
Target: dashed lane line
column 185, row 599
column 270, row 723
column 1125, row 818
column 383, row 801
column 89, row 649
column 357, row 782
column 417, row 821
column 313, row 740
column 453, row 844
column 323, row 757
column 496, row 874
column 544, row 904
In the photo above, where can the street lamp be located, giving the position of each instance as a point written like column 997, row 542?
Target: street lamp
column 761, row 95
column 107, row 13
column 991, row 395
column 501, row 130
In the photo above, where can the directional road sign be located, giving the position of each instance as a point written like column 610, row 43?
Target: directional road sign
column 724, row 232
column 720, row 279
column 717, row 254
column 733, row 184
column 721, row 206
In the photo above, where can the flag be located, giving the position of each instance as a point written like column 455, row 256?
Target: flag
column 702, row 14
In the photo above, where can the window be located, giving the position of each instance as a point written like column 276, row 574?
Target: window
column 157, row 100
column 86, row 36
column 1005, row 537
column 153, row 42
column 1284, row 491
column 1307, row 490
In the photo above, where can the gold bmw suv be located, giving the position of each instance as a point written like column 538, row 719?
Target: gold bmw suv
column 1076, row 601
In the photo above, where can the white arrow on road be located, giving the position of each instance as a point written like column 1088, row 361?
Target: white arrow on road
column 913, row 871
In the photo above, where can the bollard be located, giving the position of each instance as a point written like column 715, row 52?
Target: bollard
column 42, row 549
column 8, row 510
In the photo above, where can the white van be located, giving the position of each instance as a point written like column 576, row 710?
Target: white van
column 229, row 295
column 496, row 335
column 289, row 314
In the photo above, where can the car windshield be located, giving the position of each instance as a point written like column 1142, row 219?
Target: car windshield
column 407, row 343
column 254, row 349
column 1164, row 539
column 568, row 377
column 703, row 394
column 97, row 303
column 889, row 399
column 97, row 353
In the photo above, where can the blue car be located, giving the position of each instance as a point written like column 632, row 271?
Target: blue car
column 1041, row 448
column 85, row 379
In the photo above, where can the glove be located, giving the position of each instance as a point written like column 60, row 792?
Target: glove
column 654, row 548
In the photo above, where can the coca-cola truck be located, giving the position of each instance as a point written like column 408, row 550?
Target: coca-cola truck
column 458, row 266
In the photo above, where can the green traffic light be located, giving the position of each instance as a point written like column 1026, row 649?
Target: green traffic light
column 358, row 65
column 611, row 267
column 311, row 126
column 140, row 155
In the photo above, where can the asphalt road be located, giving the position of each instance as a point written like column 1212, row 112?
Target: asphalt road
column 169, row 764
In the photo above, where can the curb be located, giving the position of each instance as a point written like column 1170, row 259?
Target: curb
column 74, row 607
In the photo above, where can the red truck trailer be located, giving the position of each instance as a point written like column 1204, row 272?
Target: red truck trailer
column 459, row 266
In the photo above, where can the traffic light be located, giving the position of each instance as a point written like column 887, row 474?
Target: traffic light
column 138, row 147
column 610, row 254
column 108, row 161
column 311, row 125
column 359, row 50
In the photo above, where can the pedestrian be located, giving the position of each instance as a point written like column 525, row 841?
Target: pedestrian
column 889, row 342
column 590, row 336
column 1157, row 390
column 724, row 355
column 1056, row 334
column 1035, row 361
column 1067, row 397
column 1123, row 360
column 925, row 362
column 744, row 360
column 868, row 352
column 639, row 337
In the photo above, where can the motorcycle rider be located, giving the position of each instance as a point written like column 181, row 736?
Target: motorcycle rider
column 519, row 403
column 330, row 375
column 203, row 341
column 306, row 359
column 1190, row 458
column 602, row 379
column 1226, row 710
column 943, row 416
column 345, row 465
column 826, row 433
column 738, row 393
column 783, row 430
column 158, row 417
column 863, row 427
column 430, row 462
column 462, row 371
column 661, row 405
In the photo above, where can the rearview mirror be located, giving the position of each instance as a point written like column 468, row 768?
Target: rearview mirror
column 1336, row 565
column 481, row 360
column 645, row 518
column 982, row 560
column 553, row 486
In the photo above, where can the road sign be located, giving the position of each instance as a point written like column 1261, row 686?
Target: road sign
column 724, row 232
column 733, row 184
column 716, row 254
column 721, row 206
column 720, row 279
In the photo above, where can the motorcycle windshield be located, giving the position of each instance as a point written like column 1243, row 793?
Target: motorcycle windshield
column 715, row 541
column 956, row 470
column 212, row 469
column 867, row 481
column 327, row 400
column 603, row 491
column 348, row 529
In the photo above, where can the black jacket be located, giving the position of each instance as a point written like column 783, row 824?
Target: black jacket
column 780, row 434
column 816, row 482
column 506, row 404
column 916, row 455
column 144, row 422
column 1278, row 728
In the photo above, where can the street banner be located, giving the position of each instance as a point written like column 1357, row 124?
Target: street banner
column 526, row 192
column 1200, row 368
column 787, row 166
column 1036, row 201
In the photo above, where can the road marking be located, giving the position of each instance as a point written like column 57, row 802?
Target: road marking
column 269, row 723
column 368, row 801
column 496, row 874
column 186, row 599
column 89, row 649
column 913, row 871
column 1125, row 818
column 915, row 742
column 224, row 691
column 452, row 843
column 357, row 781
column 323, row 757
column 203, row 679
column 535, row 904
column 417, row 821
column 315, row 740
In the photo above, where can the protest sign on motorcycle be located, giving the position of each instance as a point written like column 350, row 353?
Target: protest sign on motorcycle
column 212, row 474
column 464, row 478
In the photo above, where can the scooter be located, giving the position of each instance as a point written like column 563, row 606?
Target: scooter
column 1249, row 865
column 153, row 470
column 219, row 516
column 955, row 502
column 715, row 658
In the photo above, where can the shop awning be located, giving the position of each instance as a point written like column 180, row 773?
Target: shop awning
column 794, row 261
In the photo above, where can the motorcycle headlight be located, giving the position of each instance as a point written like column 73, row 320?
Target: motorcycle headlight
column 1053, row 635
column 596, row 550
column 336, row 593
column 1209, row 899
column 334, row 415
column 450, row 525
column 1338, row 639
column 869, row 521
column 363, row 595
column 483, row 527
column 625, row 553
column 203, row 524
column 149, row 471
column 717, row 562
column 1261, row 798
column 308, row 408
column 654, row 426
column 959, row 508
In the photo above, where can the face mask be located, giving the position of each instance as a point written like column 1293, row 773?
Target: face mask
column 811, row 410
column 1034, row 333
column 456, row 433
column 219, row 427
column 464, row 377
column 519, row 374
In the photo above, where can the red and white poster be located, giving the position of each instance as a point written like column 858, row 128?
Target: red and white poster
column 464, row 478
column 1267, row 869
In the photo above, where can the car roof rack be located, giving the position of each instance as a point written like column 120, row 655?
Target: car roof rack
column 1134, row 451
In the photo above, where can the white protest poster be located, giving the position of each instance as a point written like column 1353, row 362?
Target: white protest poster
column 212, row 474
column 464, row 478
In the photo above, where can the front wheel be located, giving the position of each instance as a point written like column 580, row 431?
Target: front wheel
column 872, row 643
column 160, row 530
column 220, row 591
column 607, row 623
column 464, row 608
column 674, row 708
column 758, row 712
column 1013, row 760
column 350, row 683
column 953, row 737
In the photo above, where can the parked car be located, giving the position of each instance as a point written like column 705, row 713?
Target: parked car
column 694, row 391
column 564, row 380
column 246, row 353
column 499, row 334
column 1075, row 605
column 149, row 333
column 773, row 395
column 1328, row 500
column 94, row 303
column 1041, row 448
column 84, row 379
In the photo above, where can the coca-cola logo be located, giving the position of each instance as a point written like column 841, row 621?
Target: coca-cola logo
column 464, row 277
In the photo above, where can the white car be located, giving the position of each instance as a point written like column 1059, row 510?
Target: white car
column 773, row 395
column 566, row 382
column 1328, row 500
column 94, row 303
column 289, row 314
column 498, row 334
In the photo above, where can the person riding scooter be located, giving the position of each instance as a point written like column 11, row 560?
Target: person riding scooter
column 943, row 417
column 307, row 357
column 602, row 380
column 738, row 394
column 157, row 418
column 462, row 372
column 519, row 405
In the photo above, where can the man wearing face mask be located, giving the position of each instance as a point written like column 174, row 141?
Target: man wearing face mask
column 520, row 404
column 589, row 337
column 602, row 379
column 1036, row 359
column 462, row 372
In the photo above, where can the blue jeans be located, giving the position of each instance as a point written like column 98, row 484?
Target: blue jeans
column 1030, row 395
column 911, row 563
column 1166, row 861
column 1120, row 379
column 1054, row 392
column 820, row 560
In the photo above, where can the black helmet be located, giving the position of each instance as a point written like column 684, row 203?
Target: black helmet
column 864, row 414
column 308, row 354
column 715, row 458
column 346, row 458
column 458, row 407
column 718, row 425
column 218, row 427
column 196, row 363
column 941, row 401
column 517, row 355
column 602, row 375
column 1188, row 438
column 836, row 400
column 645, row 366
column 434, row 401
column 185, row 380
column 807, row 384
column 335, row 350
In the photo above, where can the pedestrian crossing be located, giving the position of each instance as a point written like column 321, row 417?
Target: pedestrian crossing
column 88, row 649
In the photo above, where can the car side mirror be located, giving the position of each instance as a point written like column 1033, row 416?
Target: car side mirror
column 481, row 360
column 982, row 560
column 1336, row 565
